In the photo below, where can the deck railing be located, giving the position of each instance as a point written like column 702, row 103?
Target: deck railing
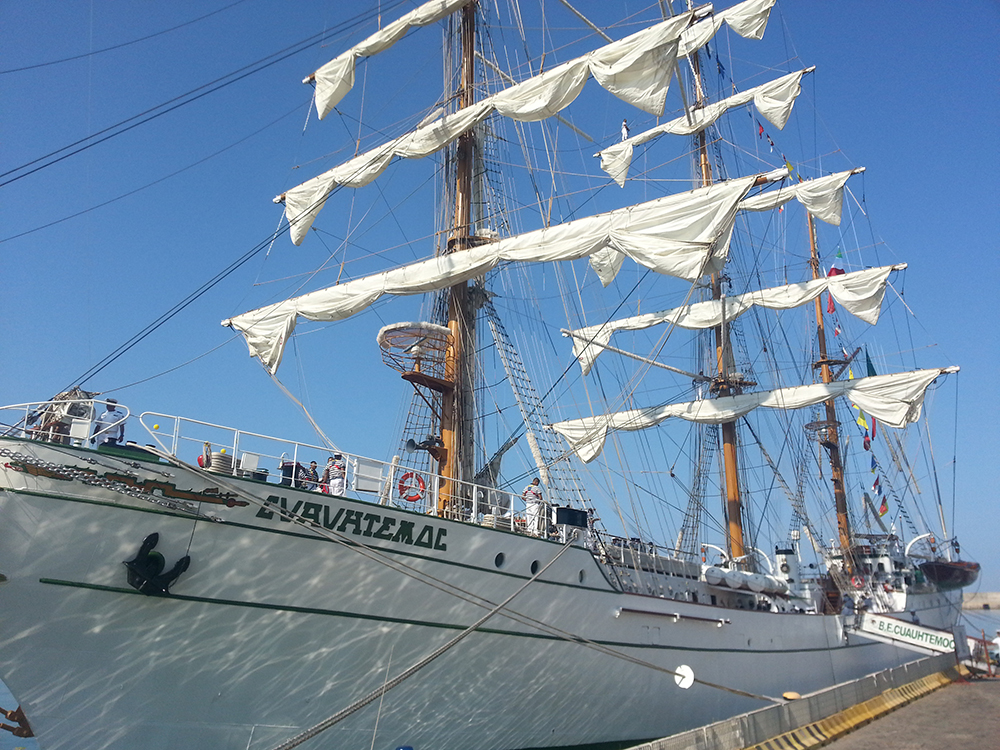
column 402, row 482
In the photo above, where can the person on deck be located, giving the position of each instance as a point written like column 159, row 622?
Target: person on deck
column 334, row 479
column 110, row 426
column 537, row 509
column 309, row 477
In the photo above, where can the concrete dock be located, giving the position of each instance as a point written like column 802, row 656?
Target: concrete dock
column 981, row 600
column 964, row 714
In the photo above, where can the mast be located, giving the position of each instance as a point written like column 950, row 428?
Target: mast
column 832, row 439
column 724, row 385
column 456, row 422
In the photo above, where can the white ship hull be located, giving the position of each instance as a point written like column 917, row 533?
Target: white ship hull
column 272, row 629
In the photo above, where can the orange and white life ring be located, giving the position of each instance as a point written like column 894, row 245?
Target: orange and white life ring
column 411, row 487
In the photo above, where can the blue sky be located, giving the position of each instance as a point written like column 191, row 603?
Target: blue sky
column 910, row 92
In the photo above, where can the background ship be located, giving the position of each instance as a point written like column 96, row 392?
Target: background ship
column 256, row 570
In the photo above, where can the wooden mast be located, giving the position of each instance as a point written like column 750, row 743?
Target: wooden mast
column 455, row 422
column 831, row 441
column 724, row 386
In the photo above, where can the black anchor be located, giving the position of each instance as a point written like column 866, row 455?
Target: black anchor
column 145, row 570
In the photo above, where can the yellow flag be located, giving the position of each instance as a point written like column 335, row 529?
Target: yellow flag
column 861, row 415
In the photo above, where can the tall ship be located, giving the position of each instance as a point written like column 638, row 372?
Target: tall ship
column 655, row 467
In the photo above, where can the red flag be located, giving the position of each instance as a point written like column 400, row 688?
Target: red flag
column 875, row 485
column 830, row 307
column 867, row 442
column 760, row 130
column 873, row 428
column 834, row 271
column 884, row 507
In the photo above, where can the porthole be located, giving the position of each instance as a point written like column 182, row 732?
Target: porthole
column 499, row 560
column 582, row 576
column 534, row 567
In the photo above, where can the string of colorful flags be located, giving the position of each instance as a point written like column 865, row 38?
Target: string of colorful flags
column 831, row 308
column 762, row 135
column 869, row 435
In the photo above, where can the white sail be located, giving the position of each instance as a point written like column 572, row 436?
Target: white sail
column 675, row 236
column 895, row 400
column 858, row 292
column 822, row 197
column 335, row 79
column 774, row 100
column 748, row 19
column 636, row 69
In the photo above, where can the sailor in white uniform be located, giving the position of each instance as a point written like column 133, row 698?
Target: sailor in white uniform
column 114, row 421
column 537, row 509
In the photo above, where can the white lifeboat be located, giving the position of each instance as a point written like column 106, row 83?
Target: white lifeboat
column 714, row 576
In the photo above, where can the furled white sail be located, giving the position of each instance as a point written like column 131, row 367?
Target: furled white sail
column 858, row 292
column 674, row 235
column 636, row 69
column 895, row 400
column 335, row 79
column 748, row 19
column 774, row 101
column 822, row 197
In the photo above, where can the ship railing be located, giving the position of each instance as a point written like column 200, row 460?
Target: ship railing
column 984, row 655
column 60, row 421
column 400, row 483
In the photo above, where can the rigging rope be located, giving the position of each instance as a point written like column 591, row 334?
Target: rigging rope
column 319, row 430
column 142, row 118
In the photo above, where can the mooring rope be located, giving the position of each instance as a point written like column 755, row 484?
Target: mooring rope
column 376, row 556
column 406, row 674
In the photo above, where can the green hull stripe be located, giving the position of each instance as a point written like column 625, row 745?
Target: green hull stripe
column 402, row 621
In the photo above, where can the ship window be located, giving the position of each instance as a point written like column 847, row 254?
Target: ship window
column 534, row 567
column 499, row 559
column 881, row 567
